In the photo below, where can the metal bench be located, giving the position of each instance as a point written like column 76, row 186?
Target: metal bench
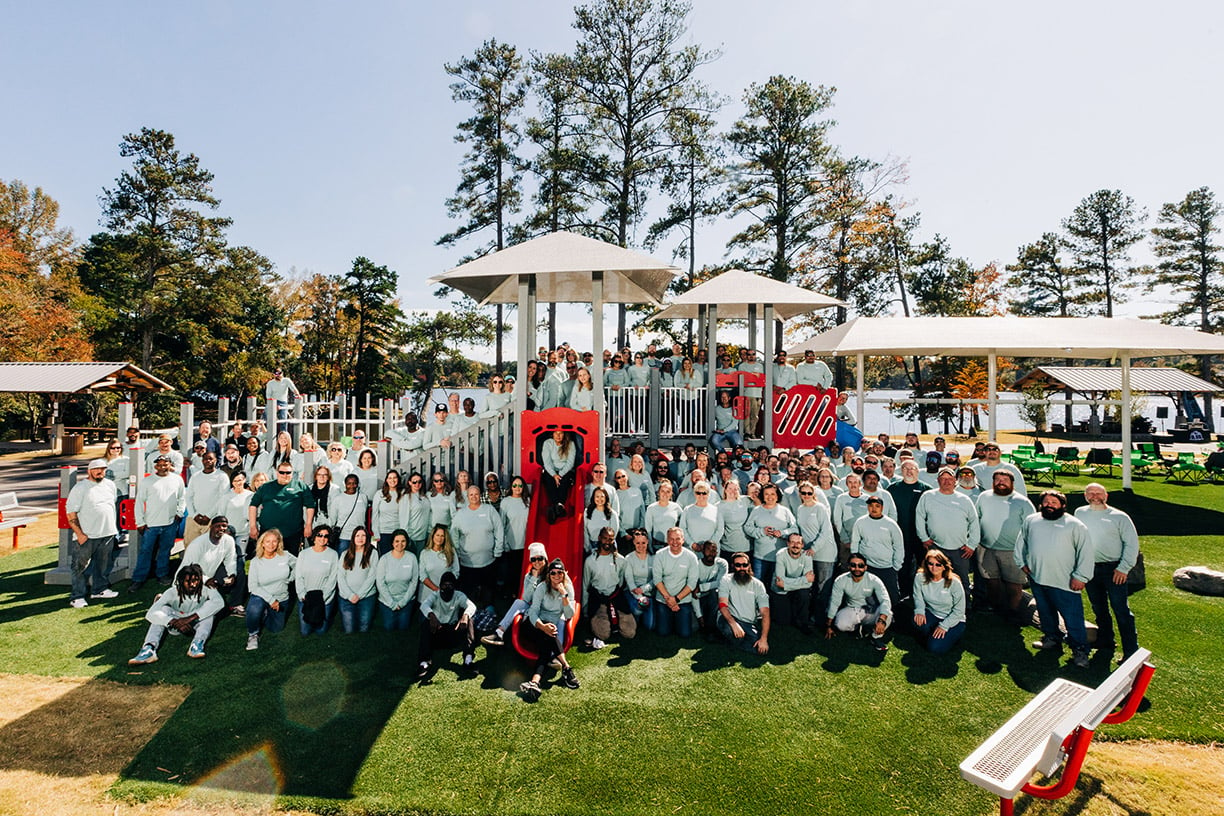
column 10, row 505
column 1054, row 730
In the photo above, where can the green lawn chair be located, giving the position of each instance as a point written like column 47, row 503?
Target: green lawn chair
column 1187, row 469
column 1068, row 460
column 1101, row 460
column 1041, row 469
column 1215, row 466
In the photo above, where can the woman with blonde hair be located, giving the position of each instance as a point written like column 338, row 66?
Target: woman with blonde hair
column 437, row 559
column 268, row 579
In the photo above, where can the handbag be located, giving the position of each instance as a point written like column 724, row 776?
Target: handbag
column 314, row 611
column 1136, row 579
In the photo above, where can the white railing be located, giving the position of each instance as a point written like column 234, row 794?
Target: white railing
column 658, row 413
column 487, row 445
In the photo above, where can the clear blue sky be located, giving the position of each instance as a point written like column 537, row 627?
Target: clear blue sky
column 329, row 125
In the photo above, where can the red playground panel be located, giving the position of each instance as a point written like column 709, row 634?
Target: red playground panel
column 805, row 416
column 565, row 538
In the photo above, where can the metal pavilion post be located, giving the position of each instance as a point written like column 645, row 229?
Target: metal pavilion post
column 767, row 392
column 1125, row 419
column 596, row 368
column 858, row 387
column 526, row 337
column 992, row 395
column 711, row 325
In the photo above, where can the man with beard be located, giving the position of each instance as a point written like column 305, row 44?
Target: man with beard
column 711, row 569
column 743, row 607
column 1055, row 551
column 1116, row 548
column 992, row 462
column 859, row 601
column 967, row 482
column 947, row 519
column 92, row 517
column 878, row 539
column 187, row 608
column 1002, row 513
column 231, row 461
column 601, row 578
column 409, row 438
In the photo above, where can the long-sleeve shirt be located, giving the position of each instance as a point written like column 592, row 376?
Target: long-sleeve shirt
column 815, row 373
column 386, row 515
column 358, row 580
column 734, row 515
column 551, row 607
column 764, row 546
column 709, row 576
column 601, row 573
column 701, row 524
column 317, row 570
column 1055, row 551
column 449, row 612
column 514, row 524
column 791, row 572
column 659, row 519
column 205, row 493
column 948, row 519
column 415, row 515
column 1113, row 535
column 847, row 510
column 636, row 574
column 396, row 579
column 816, row 527
column 1001, row 518
column 554, row 463
column 432, row 566
column 237, row 505
column 944, row 602
column 210, row 556
column 746, row 601
column 478, row 535
column 866, row 593
column 783, row 375
column 170, row 606
column 441, row 508
column 633, row 508
column 596, row 521
column 348, row 511
column 269, row 578
column 879, row 541
column 160, row 500
column 673, row 572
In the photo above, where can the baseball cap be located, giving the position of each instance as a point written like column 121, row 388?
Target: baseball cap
column 97, row 463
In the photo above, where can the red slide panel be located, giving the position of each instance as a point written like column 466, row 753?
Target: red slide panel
column 805, row 416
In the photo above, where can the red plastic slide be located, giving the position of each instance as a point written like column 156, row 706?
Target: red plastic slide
column 564, row 539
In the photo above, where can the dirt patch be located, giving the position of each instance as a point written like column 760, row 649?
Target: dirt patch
column 1150, row 778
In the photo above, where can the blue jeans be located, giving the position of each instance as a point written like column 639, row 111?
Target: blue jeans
column 161, row 541
column 357, row 617
column 726, row 439
column 91, row 566
column 396, row 620
column 260, row 615
column 645, row 614
column 944, row 644
column 751, row 634
column 763, row 570
column 1103, row 594
column 680, row 620
column 1052, row 602
column 328, row 613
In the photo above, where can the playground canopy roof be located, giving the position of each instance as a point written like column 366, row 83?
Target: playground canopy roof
column 735, row 290
column 72, row 378
column 1076, row 337
column 562, row 264
column 1103, row 379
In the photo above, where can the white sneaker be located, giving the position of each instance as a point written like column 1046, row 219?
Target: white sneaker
column 252, row 643
column 469, row 660
column 597, row 644
column 78, row 603
column 105, row 594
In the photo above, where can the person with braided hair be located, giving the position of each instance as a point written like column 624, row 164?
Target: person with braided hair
column 189, row 607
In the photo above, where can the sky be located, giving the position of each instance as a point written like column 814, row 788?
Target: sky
column 329, row 126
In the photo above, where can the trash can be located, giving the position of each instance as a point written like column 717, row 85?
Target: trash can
column 74, row 444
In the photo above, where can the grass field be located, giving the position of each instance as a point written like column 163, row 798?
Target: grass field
column 336, row 724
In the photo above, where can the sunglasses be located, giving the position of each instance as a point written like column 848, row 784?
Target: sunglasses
column 858, row 566
column 806, row 493
column 740, row 565
column 556, row 572
column 535, row 558
column 284, row 473
column 934, row 564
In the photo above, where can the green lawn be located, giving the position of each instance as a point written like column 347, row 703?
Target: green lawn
column 335, row 723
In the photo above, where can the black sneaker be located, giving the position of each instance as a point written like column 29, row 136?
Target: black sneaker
column 879, row 645
column 568, row 679
column 530, row 691
column 135, row 586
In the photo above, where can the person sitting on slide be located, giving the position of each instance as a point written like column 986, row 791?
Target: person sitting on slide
column 558, row 457
column 531, row 579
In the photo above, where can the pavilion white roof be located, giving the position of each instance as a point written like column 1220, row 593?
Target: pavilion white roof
column 735, row 290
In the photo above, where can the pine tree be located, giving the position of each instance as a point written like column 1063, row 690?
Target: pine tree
column 1100, row 233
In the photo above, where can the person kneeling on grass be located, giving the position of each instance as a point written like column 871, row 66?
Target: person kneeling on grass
column 535, row 575
column 448, row 619
column 860, row 602
column 601, row 592
column 187, row 607
column 939, row 603
column 552, row 607
column 271, row 573
column 743, row 607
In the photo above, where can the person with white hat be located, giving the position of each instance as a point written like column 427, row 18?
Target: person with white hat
column 537, row 563
column 93, row 519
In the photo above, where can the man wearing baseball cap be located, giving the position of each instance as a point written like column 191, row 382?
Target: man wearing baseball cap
column 92, row 518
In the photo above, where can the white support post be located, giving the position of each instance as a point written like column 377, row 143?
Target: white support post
column 270, row 425
column 597, row 379
column 252, row 409
column 711, row 324
column 767, row 395
column 992, row 395
column 1125, row 419
column 859, row 406
column 125, row 419
column 223, row 412
column 752, row 326
column 526, row 338
column 186, row 432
